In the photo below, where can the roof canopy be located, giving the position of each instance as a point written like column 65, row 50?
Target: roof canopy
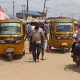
column 32, row 13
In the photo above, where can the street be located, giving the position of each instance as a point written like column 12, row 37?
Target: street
column 54, row 24
column 56, row 66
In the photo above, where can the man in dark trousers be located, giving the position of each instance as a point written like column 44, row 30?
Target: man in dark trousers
column 36, row 36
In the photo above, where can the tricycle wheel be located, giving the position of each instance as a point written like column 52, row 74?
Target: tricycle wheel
column 49, row 46
column 9, row 56
column 24, row 52
column 77, row 64
column 64, row 50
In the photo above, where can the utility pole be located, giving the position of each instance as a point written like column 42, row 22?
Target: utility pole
column 27, row 8
column 61, row 14
column 23, row 10
column 44, row 8
column 13, row 8
column 46, row 11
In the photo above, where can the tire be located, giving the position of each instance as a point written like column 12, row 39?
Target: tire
column 64, row 50
column 24, row 52
column 69, row 49
column 77, row 64
column 49, row 47
column 77, row 61
column 9, row 56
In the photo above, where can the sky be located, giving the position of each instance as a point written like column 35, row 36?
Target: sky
column 68, row 8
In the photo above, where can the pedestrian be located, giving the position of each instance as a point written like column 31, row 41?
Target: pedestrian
column 32, row 25
column 42, row 41
column 36, row 36
column 46, row 29
column 29, row 29
column 42, row 48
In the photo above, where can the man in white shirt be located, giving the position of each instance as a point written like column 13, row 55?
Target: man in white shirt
column 36, row 36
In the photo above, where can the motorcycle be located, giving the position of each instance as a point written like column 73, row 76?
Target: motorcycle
column 76, row 53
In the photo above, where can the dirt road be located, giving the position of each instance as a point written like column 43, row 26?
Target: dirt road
column 56, row 66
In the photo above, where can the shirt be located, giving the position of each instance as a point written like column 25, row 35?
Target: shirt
column 36, row 35
column 77, row 34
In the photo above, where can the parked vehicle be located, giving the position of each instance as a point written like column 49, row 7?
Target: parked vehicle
column 61, row 32
column 12, row 38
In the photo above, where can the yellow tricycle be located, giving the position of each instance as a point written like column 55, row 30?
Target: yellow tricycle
column 12, row 38
column 61, row 32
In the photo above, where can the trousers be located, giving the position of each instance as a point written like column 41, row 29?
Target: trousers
column 36, row 49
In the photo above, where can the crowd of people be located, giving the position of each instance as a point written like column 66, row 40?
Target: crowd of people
column 37, row 34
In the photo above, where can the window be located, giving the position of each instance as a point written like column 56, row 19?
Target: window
column 63, row 27
column 10, row 28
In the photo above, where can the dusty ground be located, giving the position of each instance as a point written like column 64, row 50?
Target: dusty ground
column 56, row 66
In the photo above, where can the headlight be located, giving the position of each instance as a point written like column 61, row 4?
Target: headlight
column 10, row 50
column 2, row 41
column 58, row 37
column 70, row 37
column 19, row 41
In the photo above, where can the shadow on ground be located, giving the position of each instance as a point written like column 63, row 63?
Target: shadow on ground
column 72, row 67
column 59, row 51
column 30, row 60
column 4, row 58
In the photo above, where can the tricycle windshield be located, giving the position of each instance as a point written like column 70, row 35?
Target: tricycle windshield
column 63, row 27
column 10, row 28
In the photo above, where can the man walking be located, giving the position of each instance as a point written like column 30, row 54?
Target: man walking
column 36, row 36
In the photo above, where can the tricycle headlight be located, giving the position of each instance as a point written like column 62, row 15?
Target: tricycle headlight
column 2, row 41
column 58, row 37
column 10, row 50
column 19, row 41
column 70, row 37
